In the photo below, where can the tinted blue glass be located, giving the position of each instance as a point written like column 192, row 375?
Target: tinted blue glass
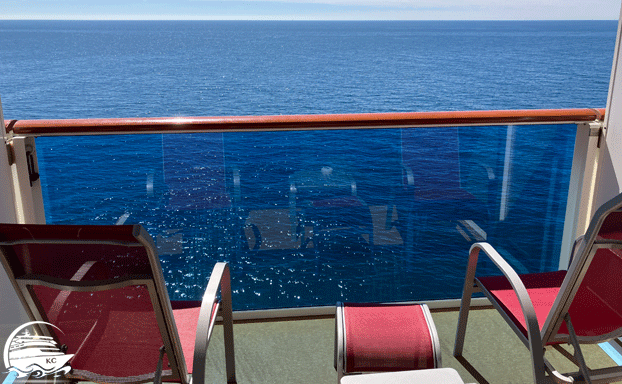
column 306, row 218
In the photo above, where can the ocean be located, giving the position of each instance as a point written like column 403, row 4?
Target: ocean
column 291, row 249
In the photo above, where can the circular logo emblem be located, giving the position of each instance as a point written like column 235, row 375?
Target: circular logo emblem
column 28, row 353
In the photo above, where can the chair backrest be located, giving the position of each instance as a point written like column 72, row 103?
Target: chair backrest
column 102, row 286
column 433, row 155
column 194, row 170
column 592, row 290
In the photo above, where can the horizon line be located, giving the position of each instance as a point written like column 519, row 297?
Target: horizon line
column 277, row 19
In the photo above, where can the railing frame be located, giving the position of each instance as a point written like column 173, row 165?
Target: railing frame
column 581, row 191
column 75, row 127
column 20, row 138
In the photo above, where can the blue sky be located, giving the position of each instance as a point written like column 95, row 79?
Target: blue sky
column 313, row 9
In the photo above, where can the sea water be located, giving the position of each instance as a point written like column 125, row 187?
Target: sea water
column 102, row 69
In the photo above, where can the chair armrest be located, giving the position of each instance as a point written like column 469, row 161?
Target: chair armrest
column 575, row 247
column 237, row 190
column 473, row 160
column 533, row 328
column 408, row 176
column 489, row 171
column 482, row 182
column 517, row 284
column 220, row 279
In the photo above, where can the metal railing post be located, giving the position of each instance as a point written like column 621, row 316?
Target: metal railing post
column 579, row 205
column 26, row 182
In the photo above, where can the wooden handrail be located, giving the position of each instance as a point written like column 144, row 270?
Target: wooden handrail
column 113, row 126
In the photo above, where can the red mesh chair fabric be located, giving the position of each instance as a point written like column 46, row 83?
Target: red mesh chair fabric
column 194, row 171
column 444, row 194
column 112, row 328
column 186, row 315
column 97, row 325
column 433, row 158
column 432, row 163
column 541, row 287
column 343, row 201
column 50, row 259
column 596, row 308
column 387, row 338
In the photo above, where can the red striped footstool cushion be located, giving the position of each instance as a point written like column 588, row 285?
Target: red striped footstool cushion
column 388, row 337
column 425, row 376
column 541, row 287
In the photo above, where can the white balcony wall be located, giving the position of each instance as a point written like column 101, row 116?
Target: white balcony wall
column 609, row 180
column 12, row 313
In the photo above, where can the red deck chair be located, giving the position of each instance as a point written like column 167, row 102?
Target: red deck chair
column 581, row 305
column 384, row 338
column 431, row 163
column 327, row 200
column 194, row 171
column 103, row 287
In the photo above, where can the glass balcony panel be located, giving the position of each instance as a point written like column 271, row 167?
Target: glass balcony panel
column 315, row 217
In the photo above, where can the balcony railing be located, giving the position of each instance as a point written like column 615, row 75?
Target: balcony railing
column 297, row 122
column 310, row 210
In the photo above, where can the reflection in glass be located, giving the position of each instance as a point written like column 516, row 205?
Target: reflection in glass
column 313, row 217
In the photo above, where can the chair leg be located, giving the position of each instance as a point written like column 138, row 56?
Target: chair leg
column 462, row 323
column 465, row 304
column 227, row 317
column 157, row 379
column 554, row 376
column 577, row 350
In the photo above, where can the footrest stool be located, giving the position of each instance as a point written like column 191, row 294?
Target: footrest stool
column 425, row 376
column 384, row 338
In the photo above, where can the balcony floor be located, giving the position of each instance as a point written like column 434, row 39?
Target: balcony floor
column 301, row 351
